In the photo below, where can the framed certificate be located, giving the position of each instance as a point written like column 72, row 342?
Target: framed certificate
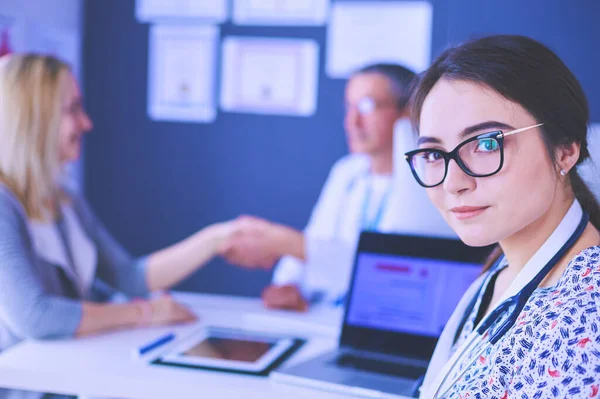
column 281, row 12
column 157, row 10
column 181, row 73
column 269, row 76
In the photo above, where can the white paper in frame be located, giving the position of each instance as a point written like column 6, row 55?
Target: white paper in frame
column 269, row 76
column 181, row 75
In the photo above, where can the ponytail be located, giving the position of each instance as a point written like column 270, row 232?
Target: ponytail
column 586, row 198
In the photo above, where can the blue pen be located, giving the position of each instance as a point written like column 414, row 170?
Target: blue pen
column 340, row 301
column 155, row 344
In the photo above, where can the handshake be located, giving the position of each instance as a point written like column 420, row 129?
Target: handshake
column 257, row 243
column 253, row 242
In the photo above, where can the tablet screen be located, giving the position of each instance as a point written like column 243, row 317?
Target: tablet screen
column 241, row 350
column 229, row 350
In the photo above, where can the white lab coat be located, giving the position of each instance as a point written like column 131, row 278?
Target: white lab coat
column 335, row 224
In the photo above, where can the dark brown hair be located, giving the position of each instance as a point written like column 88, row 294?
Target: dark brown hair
column 526, row 72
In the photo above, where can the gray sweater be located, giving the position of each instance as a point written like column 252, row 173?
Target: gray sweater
column 37, row 299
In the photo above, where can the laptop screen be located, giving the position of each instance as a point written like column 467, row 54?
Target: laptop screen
column 403, row 291
column 407, row 294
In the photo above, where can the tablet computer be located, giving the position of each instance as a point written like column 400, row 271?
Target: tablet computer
column 230, row 350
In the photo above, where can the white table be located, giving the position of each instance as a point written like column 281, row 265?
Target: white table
column 103, row 365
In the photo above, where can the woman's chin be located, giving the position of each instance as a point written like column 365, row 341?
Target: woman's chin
column 70, row 156
column 475, row 238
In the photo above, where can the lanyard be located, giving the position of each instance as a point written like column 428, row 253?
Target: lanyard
column 372, row 224
column 364, row 224
column 493, row 327
column 367, row 224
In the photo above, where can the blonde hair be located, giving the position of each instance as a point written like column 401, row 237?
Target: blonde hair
column 32, row 89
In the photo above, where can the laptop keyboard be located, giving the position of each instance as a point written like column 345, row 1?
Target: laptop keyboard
column 380, row 367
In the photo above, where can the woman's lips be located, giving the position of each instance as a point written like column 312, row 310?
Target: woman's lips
column 468, row 212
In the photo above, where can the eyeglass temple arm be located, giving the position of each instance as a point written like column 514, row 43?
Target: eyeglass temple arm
column 518, row 130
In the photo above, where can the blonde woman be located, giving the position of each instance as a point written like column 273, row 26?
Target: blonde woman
column 54, row 252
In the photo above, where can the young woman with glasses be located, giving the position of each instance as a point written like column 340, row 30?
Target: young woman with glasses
column 502, row 126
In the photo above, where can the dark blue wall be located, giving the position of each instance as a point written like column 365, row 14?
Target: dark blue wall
column 155, row 183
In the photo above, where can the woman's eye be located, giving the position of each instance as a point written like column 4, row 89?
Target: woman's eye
column 486, row 145
column 431, row 156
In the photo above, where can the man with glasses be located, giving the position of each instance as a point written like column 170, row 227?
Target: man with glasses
column 358, row 195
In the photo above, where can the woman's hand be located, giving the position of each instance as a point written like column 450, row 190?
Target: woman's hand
column 169, row 266
column 158, row 311
column 164, row 310
column 222, row 233
column 258, row 243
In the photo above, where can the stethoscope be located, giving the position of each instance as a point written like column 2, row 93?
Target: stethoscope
column 511, row 309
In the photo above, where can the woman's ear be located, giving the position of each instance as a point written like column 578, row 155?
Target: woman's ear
column 567, row 156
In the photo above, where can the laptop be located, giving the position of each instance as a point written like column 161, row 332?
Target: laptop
column 402, row 293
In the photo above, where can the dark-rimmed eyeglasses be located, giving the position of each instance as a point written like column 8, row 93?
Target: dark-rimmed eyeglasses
column 478, row 156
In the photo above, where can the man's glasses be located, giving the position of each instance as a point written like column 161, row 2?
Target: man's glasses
column 479, row 156
column 367, row 105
